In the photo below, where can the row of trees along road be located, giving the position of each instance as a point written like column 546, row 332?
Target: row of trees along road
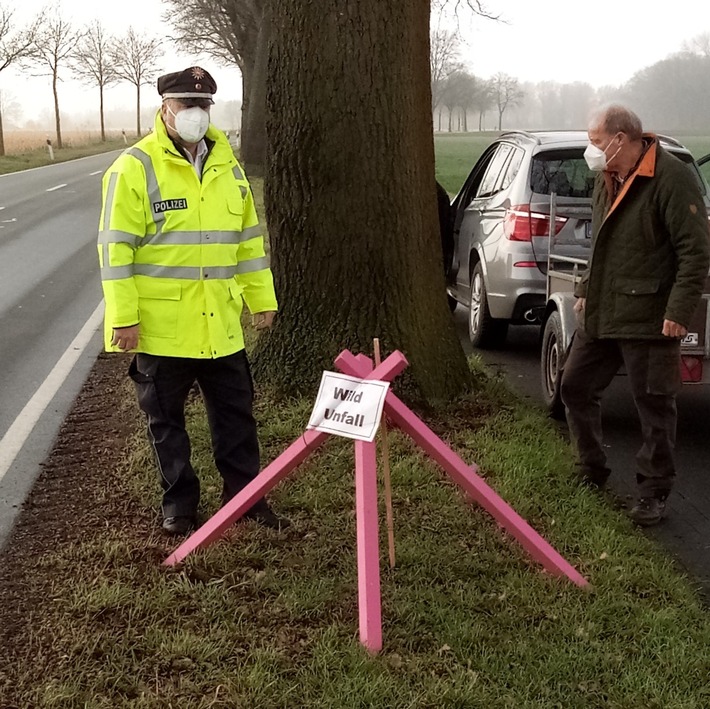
column 672, row 95
column 457, row 90
column 50, row 44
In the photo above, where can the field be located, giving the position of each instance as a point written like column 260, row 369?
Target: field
column 456, row 154
column 23, row 141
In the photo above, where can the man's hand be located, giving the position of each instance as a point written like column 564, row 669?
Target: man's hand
column 263, row 321
column 579, row 305
column 125, row 337
column 674, row 329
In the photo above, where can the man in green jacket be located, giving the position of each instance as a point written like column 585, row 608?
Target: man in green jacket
column 644, row 280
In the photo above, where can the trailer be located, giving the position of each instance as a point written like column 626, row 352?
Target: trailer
column 566, row 262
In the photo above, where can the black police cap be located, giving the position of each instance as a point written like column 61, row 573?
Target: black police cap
column 194, row 82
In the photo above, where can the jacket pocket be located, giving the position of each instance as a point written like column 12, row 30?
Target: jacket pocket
column 636, row 300
column 159, row 307
column 234, row 310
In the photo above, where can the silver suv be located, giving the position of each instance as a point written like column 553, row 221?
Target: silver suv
column 500, row 222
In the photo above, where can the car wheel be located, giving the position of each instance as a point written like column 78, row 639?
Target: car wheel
column 551, row 364
column 452, row 302
column 484, row 331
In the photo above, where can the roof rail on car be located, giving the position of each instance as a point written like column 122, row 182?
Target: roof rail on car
column 526, row 133
column 670, row 140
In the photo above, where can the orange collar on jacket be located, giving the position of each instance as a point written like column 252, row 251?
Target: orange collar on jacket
column 645, row 168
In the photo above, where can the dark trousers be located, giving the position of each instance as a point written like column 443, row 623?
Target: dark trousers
column 653, row 369
column 162, row 385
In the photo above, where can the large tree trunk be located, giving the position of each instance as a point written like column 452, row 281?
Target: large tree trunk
column 351, row 196
column 253, row 145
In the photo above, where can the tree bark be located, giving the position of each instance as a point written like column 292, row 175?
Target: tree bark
column 351, row 197
column 253, row 143
column 57, row 119
column 101, row 111
column 138, row 110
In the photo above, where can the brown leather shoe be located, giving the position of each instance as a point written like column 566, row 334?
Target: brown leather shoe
column 648, row 511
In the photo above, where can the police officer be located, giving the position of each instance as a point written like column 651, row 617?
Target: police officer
column 180, row 251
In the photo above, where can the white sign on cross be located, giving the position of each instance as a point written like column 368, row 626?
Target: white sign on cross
column 348, row 406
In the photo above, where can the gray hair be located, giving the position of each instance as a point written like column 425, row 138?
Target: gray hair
column 615, row 118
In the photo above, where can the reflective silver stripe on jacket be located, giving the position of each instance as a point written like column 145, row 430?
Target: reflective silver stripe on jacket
column 196, row 238
column 115, row 273
column 114, row 236
column 109, row 201
column 151, row 182
column 190, row 273
column 253, row 264
column 238, row 173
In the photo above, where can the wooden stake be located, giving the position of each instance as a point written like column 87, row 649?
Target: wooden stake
column 386, row 471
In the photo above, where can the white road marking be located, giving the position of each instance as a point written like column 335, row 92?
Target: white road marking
column 15, row 437
column 96, row 172
column 56, row 187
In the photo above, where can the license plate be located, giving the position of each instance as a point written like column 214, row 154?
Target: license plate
column 690, row 340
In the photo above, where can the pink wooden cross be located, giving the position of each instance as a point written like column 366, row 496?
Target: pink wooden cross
column 466, row 476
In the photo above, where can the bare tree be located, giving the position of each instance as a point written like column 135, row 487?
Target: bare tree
column 53, row 45
column 483, row 100
column 92, row 62
column 443, row 61
column 15, row 44
column 135, row 59
column 460, row 92
column 506, row 93
column 232, row 32
column 354, row 256
column 700, row 44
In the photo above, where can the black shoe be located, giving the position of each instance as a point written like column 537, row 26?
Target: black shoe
column 177, row 526
column 265, row 516
column 593, row 479
column 648, row 511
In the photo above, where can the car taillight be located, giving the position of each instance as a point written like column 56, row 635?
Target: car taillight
column 520, row 224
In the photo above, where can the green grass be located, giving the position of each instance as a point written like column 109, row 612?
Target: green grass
column 263, row 619
column 456, row 154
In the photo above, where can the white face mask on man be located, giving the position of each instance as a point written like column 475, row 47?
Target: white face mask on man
column 596, row 157
column 191, row 124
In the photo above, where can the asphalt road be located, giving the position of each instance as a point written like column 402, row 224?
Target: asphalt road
column 686, row 531
column 49, row 289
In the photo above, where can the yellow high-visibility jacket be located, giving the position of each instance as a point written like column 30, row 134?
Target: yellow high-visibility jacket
column 179, row 254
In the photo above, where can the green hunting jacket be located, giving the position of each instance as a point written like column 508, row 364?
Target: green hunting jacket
column 650, row 250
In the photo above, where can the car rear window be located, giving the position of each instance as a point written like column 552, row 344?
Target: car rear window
column 563, row 172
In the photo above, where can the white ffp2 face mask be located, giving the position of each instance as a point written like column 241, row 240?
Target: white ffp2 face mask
column 192, row 123
column 596, row 157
